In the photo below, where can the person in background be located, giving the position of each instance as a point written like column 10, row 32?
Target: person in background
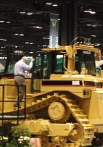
column 19, row 77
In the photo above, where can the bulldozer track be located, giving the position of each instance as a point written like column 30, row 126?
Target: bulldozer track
column 74, row 109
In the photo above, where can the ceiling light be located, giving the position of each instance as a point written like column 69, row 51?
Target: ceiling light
column 54, row 5
column 44, row 45
column 94, row 25
column 18, row 52
column 88, row 25
column 3, row 39
column 90, row 11
column 23, row 12
column 48, row 3
column 46, row 38
column 31, row 43
column 16, row 34
column 97, row 44
column 29, row 13
column 8, row 22
column 3, row 57
column 87, row 11
column 93, row 35
column 37, row 27
column 21, row 34
column 26, row 42
column 1, row 21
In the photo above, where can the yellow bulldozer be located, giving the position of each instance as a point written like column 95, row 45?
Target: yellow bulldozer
column 64, row 96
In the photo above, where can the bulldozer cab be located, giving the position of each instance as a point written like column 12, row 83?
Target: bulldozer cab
column 58, row 62
column 78, row 59
column 85, row 59
column 47, row 63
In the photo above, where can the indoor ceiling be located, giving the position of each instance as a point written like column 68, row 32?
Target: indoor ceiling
column 25, row 24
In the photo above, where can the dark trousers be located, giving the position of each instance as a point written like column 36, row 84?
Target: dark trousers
column 20, row 83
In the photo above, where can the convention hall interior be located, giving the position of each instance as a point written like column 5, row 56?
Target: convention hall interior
column 62, row 101
column 25, row 25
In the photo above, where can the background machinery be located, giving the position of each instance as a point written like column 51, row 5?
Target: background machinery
column 64, row 96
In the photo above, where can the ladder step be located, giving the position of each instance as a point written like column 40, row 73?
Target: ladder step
column 33, row 103
column 88, row 136
column 83, row 120
column 77, row 110
column 87, row 144
column 69, row 100
column 81, row 115
column 38, row 101
column 87, row 126
column 44, row 98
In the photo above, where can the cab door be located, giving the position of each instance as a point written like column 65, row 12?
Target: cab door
column 41, row 69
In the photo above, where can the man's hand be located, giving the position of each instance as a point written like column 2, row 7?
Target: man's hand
column 33, row 59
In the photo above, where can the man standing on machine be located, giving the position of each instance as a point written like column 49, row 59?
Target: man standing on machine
column 19, row 76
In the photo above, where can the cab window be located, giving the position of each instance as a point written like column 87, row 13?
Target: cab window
column 59, row 63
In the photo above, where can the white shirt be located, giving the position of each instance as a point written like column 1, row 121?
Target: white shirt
column 20, row 67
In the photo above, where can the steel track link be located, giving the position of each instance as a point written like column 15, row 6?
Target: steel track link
column 87, row 129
